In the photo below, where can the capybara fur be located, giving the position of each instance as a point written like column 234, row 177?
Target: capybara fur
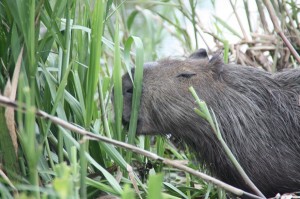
column 258, row 114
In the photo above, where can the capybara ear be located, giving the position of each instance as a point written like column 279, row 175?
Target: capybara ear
column 216, row 64
column 199, row 54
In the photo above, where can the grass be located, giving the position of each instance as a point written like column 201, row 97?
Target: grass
column 75, row 52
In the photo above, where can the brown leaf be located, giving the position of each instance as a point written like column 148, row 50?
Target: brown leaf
column 10, row 91
column 10, row 117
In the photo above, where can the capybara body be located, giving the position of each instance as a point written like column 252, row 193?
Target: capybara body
column 258, row 114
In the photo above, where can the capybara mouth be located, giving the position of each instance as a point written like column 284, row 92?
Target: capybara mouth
column 125, row 121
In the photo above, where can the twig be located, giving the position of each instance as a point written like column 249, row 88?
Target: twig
column 262, row 16
column 279, row 31
column 247, row 14
column 6, row 179
column 6, row 102
column 239, row 21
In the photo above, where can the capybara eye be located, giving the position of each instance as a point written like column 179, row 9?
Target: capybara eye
column 186, row 75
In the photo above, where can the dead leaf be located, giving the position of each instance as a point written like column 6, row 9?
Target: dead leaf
column 10, row 91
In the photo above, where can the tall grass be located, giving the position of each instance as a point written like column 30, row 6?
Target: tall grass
column 75, row 52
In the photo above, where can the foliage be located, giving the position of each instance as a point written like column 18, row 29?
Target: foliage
column 71, row 53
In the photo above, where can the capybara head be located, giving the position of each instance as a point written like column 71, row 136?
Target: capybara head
column 258, row 114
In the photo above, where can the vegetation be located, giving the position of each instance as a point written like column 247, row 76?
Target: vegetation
column 64, row 57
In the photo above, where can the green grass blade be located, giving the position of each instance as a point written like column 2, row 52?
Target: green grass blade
column 128, row 193
column 94, row 67
column 101, row 186
column 137, row 85
column 111, row 180
column 155, row 186
column 57, row 97
column 75, row 107
column 10, row 163
column 117, row 79
column 83, row 168
column 175, row 189
column 79, row 92
column 67, row 39
column 27, row 135
column 226, row 51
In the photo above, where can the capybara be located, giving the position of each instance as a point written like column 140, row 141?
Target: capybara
column 258, row 114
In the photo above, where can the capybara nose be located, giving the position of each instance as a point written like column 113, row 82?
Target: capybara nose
column 127, row 98
column 129, row 91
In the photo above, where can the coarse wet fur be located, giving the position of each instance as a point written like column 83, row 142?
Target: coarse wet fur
column 258, row 114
